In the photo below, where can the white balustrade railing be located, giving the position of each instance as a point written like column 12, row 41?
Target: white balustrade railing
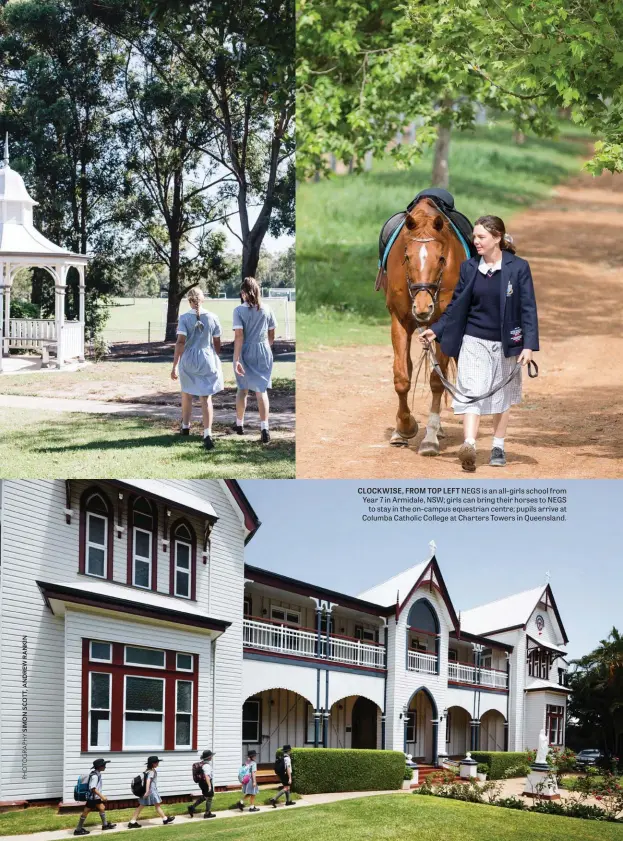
column 28, row 332
column 466, row 673
column 419, row 661
column 286, row 639
column 72, row 340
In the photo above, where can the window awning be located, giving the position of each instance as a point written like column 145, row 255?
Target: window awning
column 547, row 645
column 540, row 685
column 175, row 497
column 144, row 605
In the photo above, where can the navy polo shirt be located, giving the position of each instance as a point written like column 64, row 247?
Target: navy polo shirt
column 483, row 319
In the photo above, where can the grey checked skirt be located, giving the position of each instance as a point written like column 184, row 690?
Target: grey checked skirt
column 481, row 365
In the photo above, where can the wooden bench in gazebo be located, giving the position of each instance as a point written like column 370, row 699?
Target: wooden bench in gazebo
column 23, row 246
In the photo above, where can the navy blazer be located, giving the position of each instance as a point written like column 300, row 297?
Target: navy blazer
column 518, row 318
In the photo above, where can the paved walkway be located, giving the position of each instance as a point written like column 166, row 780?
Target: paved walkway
column 154, row 823
column 278, row 420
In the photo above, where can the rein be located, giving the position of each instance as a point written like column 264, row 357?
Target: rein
column 467, row 398
column 414, row 288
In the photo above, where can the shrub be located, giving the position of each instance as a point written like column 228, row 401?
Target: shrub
column 100, row 347
column 570, row 810
column 511, row 803
column 24, row 309
column 482, row 768
column 316, row 770
column 408, row 773
column 499, row 761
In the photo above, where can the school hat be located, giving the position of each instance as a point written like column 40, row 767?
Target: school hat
column 207, row 754
column 101, row 763
column 152, row 759
column 286, row 748
column 252, row 753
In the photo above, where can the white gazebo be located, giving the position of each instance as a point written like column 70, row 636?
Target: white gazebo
column 23, row 246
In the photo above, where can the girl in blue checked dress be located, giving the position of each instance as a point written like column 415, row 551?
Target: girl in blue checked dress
column 197, row 355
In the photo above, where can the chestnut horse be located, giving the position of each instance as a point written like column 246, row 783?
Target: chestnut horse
column 422, row 270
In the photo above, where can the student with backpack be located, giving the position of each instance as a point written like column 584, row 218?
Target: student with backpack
column 283, row 769
column 203, row 776
column 89, row 789
column 248, row 777
column 145, row 787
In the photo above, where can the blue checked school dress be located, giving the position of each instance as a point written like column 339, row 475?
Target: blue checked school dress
column 256, row 355
column 200, row 370
column 153, row 798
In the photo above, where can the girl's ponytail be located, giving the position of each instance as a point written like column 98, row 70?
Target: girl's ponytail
column 195, row 299
column 251, row 289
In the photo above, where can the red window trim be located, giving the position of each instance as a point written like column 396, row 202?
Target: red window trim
column 182, row 521
column 560, row 716
column 118, row 672
column 82, row 554
column 154, row 540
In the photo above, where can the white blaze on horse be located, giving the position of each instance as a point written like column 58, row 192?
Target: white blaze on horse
column 423, row 269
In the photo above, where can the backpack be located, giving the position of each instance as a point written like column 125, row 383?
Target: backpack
column 198, row 772
column 243, row 774
column 139, row 785
column 280, row 769
column 81, row 789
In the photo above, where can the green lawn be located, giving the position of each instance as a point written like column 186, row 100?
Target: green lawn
column 339, row 219
column 131, row 318
column 44, row 818
column 143, row 381
column 389, row 818
column 34, row 445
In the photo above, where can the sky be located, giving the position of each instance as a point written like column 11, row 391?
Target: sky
column 312, row 530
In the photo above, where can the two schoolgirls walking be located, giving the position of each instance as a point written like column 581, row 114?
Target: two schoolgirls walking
column 197, row 364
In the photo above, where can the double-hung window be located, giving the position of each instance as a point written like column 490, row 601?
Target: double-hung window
column 142, row 544
column 96, row 537
column 144, row 713
column 100, row 690
column 411, row 727
column 182, row 559
column 555, row 718
column 251, row 716
column 183, row 713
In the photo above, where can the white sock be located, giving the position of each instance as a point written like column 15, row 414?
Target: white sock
column 207, row 432
column 498, row 442
column 471, row 441
column 185, row 426
column 263, row 424
column 239, row 421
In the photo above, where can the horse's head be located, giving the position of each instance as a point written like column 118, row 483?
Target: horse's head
column 425, row 257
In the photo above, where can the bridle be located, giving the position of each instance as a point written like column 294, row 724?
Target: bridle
column 433, row 289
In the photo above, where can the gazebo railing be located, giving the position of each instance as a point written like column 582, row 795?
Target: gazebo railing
column 30, row 332
column 72, row 340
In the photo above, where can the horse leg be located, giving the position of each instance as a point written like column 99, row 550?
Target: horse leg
column 430, row 442
column 406, row 425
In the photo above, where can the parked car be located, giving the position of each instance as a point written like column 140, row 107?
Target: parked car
column 589, row 756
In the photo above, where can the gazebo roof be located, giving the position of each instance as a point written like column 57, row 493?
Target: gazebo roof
column 18, row 236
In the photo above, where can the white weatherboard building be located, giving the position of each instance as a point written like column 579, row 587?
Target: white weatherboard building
column 130, row 625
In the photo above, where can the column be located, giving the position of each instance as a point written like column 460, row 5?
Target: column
column 2, row 272
column 506, row 736
column 317, row 719
column 59, row 317
column 474, row 743
column 7, row 311
column 325, row 729
column 383, row 731
column 318, row 629
column 82, row 310
column 435, row 723
column 405, row 720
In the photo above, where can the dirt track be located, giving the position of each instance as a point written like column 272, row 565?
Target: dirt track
column 570, row 424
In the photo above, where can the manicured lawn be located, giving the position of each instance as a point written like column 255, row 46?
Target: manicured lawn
column 339, row 219
column 129, row 319
column 568, row 781
column 141, row 381
column 34, row 445
column 40, row 819
column 395, row 818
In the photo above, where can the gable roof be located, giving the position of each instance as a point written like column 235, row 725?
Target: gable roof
column 396, row 588
column 507, row 613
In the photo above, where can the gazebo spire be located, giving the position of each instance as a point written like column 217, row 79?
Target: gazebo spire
column 6, row 149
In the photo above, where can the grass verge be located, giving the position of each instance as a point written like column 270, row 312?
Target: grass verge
column 73, row 445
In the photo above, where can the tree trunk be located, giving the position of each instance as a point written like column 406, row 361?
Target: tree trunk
column 175, row 227
column 441, row 168
column 250, row 258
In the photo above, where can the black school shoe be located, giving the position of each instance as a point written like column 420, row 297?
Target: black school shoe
column 82, row 831
column 135, row 825
column 170, row 819
column 109, row 826
column 265, row 436
column 208, row 443
column 498, row 457
column 239, row 430
column 184, row 431
column 254, row 809
column 210, row 815
column 291, row 803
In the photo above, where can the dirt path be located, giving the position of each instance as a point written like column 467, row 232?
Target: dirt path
column 570, row 424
